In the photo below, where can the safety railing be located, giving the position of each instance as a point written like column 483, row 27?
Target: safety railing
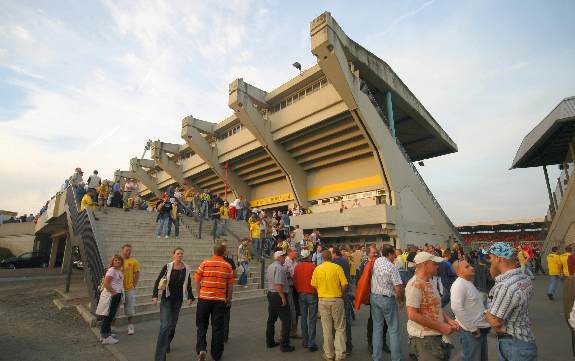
column 90, row 248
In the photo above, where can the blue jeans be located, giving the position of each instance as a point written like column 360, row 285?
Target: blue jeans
column 308, row 306
column 385, row 309
column 474, row 349
column 169, row 312
column 204, row 210
column 516, row 350
column 244, row 276
column 257, row 246
column 163, row 226
column 527, row 270
column 553, row 284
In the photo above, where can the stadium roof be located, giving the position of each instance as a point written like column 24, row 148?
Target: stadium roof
column 417, row 130
column 548, row 142
column 512, row 224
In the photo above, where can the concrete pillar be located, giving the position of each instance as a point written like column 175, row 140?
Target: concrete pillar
column 209, row 154
column 53, row 252
column 248, row 101
column 389, row 109
column 67, row 254
column 551, row 200
column 137, row 168
column 160, row 154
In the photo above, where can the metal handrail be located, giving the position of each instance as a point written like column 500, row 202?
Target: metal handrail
column 94, row 263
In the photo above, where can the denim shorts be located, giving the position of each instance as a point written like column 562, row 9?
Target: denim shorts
column 130, row 302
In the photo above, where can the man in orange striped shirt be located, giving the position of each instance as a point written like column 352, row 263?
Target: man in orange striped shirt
column 214, row 285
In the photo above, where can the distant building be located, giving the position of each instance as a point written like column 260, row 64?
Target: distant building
column 5, row 215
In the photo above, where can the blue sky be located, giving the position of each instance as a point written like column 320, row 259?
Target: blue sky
column 86, row 83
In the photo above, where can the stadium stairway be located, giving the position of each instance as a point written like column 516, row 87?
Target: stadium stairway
column 117, row 227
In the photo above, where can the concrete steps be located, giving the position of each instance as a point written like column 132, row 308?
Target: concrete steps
column 138, row 228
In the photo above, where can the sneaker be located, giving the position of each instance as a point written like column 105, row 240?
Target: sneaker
column 114, row 336
column 166, row 237
column 131, row 330
column 110, row 341
column 202, row 356
column 274, row 344
column 550, row 296
column 313, row 348
column 245, row 286
column 157, row 236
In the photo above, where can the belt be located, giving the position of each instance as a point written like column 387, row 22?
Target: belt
column 504, row 336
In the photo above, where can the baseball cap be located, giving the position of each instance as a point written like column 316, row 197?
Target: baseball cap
column 278, row 254
column 304, row 253
column 503, row 250
column 426, row 256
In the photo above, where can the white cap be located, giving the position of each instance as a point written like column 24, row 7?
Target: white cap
column 425, row 256
column 278, row 254
column 304, row 253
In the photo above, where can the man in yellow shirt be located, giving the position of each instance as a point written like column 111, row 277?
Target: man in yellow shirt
column 131, row 277
column 88, row 202
column 329, row 280
column 254, row 225
column 555, row 270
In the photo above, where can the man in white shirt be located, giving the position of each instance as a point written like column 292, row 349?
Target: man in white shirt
column 468, row 308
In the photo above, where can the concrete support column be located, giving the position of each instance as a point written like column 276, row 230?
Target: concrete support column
column 160, row 154
column 53, row 252
column 67, row 254
column 191, row 134
column 248, row 102
column 551, row 199
column 137, row 168
column 389, row 109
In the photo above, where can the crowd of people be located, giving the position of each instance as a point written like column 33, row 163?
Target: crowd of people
column 22, row 219
column 309, row 281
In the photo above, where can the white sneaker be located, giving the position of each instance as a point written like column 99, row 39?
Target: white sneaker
column 131, row 329
column 157, row 236
column 110, row 341
column 166, row 237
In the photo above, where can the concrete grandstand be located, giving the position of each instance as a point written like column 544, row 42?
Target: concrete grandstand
column 347, row 128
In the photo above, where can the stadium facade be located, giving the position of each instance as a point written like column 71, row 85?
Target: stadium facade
column 347, row 128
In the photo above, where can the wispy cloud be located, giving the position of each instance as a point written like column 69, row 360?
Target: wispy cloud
column 397, row 21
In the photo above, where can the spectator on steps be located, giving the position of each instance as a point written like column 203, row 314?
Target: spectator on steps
column 103, row 194
column 164, row 208
column 129, row 188
column 174, row 281
column 244, row 257
column 110, row 298
column 88, row 202
column 94, row 182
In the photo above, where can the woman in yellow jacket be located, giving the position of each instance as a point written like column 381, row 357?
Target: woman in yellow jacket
column 555, row 270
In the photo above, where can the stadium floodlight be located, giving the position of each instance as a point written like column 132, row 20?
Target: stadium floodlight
column 297, row 65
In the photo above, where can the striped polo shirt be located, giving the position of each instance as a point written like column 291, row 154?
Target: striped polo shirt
column 215, row 274
column 509, row 301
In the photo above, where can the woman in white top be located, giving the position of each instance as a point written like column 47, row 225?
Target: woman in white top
column 110, row 298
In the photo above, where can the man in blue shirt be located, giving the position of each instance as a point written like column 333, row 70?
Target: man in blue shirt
column 340, row 260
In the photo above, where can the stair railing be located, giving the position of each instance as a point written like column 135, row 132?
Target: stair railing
column 82, row 225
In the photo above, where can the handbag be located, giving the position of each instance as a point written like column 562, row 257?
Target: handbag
column 163, row 281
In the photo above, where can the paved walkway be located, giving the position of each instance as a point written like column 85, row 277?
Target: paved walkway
column 248, row 329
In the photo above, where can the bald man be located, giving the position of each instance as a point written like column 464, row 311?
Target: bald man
column 467, row 305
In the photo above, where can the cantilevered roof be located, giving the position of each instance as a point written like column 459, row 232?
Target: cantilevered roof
column 548, row 142
column 417, row 130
